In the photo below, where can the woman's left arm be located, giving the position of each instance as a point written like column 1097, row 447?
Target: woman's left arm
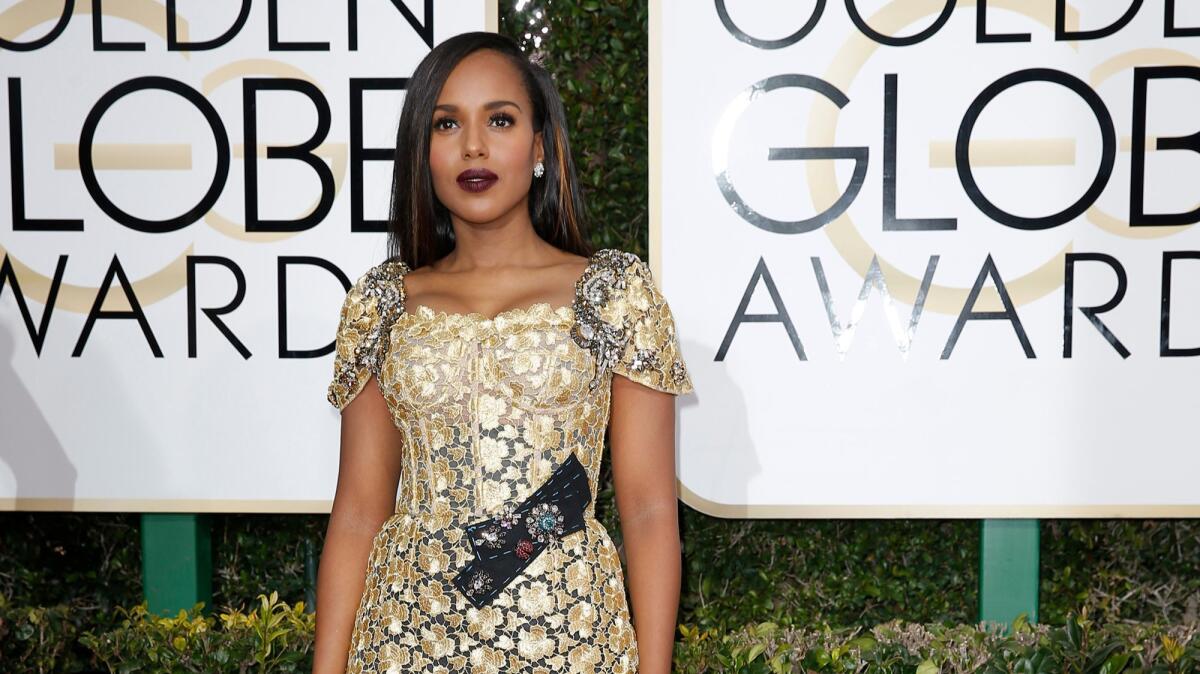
column 642, row 441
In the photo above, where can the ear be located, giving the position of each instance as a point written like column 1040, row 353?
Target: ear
column 538, row 148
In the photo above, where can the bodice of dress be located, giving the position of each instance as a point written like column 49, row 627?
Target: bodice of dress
column 490, row 406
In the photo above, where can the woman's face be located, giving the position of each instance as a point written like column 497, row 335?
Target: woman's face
column 482, row 147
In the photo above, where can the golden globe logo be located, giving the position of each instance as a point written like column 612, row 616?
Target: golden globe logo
column 329, row 160
column 1001, row 298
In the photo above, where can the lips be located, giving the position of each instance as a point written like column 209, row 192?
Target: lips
column 477, row 179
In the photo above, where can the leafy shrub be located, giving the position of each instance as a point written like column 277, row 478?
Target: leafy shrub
column 39, row 639
column 277, row 637
column 1079, row 646
column 272, row 637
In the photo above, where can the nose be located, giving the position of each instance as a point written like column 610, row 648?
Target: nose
column 473, row 142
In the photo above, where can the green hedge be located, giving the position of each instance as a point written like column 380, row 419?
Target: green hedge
column 597, row 55
column 41, row 638
column 277, row 637
column 1079, row 646
column 75, row 570
column 271, row 637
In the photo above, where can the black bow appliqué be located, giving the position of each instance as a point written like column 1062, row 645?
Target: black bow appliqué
column 507, row 543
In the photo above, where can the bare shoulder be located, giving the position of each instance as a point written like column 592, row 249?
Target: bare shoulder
column 575, row 263
column 421, row 271
column 423, row 282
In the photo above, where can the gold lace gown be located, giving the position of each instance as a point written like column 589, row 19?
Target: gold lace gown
column 489, row 407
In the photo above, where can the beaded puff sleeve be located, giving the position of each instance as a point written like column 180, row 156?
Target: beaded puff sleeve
column 370, row 308
column 651, row 354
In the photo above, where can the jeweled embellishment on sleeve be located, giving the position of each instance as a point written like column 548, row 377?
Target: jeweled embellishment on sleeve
column 371, row 307
column 625, row 322
column 604, row 277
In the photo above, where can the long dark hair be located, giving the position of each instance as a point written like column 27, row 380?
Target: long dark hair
column 419, row 229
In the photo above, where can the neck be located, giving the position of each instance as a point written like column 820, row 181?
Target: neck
column 508, row 240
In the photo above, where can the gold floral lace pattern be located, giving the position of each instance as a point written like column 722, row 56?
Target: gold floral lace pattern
column 625, row 321
column 488, row 408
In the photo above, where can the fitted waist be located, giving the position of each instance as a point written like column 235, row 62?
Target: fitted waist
column 564, row 495
column 458, row 519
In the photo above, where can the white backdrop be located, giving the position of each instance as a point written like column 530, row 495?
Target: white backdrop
column 900, row 418
column 103, row 423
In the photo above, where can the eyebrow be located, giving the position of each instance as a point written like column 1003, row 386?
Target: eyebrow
column 492, row 105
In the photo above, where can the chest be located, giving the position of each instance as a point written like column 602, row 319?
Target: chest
column 458, row 366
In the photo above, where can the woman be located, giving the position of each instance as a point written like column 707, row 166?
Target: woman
column 476, row 372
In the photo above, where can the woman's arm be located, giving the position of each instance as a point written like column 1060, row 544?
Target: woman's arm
column 642, row 440
column 368, row 473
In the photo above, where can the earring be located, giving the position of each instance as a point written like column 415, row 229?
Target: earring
column 538, row 170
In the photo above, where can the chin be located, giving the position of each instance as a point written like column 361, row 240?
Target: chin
column 479, row 215
column 482, row 210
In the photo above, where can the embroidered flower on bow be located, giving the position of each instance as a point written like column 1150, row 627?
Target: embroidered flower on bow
column 508, row 517
column 481, row 582
column 524, row 548
column 491, row 536
column 544, row 522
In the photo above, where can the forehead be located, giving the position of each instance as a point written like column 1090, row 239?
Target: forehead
column 484, row 75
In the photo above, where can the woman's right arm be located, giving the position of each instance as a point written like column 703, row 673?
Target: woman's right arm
column 368, row 474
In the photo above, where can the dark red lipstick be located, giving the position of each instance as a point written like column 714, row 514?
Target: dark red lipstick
column 477, row 179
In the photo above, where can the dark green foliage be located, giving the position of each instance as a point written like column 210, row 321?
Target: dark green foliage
column 65, row 558
column 857, row 572
column 252, row 553
column 597, row 54
column 272, row 636
column 62, row 573
column 1079, row 646
column 42, row 639
column 1145, row 570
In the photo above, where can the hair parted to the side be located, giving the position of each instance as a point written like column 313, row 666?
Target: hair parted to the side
column 419, row 229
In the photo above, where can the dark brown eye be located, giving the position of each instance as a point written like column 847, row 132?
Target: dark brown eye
column 503, row 117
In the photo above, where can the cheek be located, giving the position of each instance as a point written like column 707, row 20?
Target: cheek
column 441, row 160
column 443, row 171
column 515, row 155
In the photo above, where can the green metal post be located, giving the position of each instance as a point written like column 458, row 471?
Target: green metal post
column 310, row 577
column 176, row 561
column 1008, row 570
